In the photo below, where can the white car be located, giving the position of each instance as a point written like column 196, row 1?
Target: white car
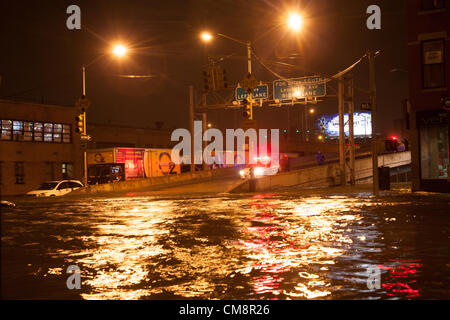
column 55, row 188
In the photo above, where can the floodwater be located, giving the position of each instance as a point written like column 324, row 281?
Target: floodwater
column 293, row 245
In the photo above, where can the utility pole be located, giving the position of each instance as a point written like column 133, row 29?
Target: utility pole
column 373, row 103
column 191, row 126
column 342, row 175
column 85, row 179
column 204, row 125
column 249, row 69
column 351, row 138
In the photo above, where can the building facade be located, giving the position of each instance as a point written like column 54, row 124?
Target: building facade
column 429, row 81
column 37, row 144
column 110, row 136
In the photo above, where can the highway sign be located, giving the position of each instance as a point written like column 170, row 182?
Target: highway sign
column 298, row 88
column 249, row 83
column 260, row 92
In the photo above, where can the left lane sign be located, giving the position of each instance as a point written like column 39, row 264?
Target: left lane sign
column 260, row 92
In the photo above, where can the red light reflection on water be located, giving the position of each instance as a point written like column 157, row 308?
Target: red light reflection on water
column 270, row 244
column 399, row 273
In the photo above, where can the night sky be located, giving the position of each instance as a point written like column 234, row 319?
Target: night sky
column 41, row 59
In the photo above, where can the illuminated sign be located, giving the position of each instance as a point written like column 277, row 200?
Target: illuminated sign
column 362, row 124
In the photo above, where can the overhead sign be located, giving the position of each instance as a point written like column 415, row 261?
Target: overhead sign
column 260, row 92
column 305, row 87
column 249, row 83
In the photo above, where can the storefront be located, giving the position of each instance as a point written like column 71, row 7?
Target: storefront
column 433, row 129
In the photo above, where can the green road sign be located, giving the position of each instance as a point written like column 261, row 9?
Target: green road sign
column 260, row 92
column 298, row 88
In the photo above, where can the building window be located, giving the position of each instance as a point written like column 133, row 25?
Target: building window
column 433, row 64
column 19, row 172
column 434, row 158
column 66, row 133
column 28, row 131
column 433, row 4
column 48, row 132
column 38, row 129
column 6, row 129
column 67, row 170
column 57, row 132
column 18, row 130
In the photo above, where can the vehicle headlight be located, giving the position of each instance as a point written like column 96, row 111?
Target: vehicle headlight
column 259, row 171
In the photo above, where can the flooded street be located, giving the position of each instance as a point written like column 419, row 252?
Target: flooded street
column 309, row 245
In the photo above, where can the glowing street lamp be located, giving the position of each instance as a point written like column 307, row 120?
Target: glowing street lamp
column 206, row 36
column 295, row 21
column 119, row 50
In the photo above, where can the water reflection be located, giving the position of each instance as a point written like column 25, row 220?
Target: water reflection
column 272, row 246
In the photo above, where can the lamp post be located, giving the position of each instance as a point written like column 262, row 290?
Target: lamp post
column 118, row 50
column 207, row 37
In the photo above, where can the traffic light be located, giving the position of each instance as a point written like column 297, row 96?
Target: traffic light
column 79, row 124
column 246, row 106
column 208, row 78
column 221, row 78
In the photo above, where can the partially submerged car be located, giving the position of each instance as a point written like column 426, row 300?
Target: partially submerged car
column 263, row 167
column 55, row 188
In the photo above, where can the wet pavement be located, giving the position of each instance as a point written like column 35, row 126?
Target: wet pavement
column 314, row 244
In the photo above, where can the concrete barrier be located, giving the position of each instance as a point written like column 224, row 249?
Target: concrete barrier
column 158, row 182
column 325, row 175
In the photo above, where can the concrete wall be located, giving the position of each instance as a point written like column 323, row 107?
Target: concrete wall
column 326, row 175
column 158, row 182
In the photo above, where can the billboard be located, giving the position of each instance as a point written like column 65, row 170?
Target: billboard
column 362, row 124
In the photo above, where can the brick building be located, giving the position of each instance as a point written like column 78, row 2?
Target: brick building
column 37, row 144
column 429, row 80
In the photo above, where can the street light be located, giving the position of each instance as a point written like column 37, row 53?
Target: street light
column 206, row 36
column 119, row 50
column 295, row 21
